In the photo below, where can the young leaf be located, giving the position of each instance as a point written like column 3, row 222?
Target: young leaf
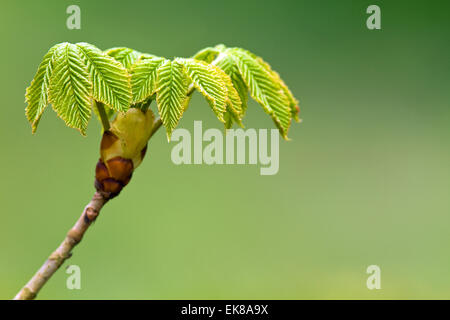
column 126, row 56
column 110, row 80
column 229, row 66
column 70, row 88
column 233, row 103
column 293, row 103
column 171, row 94
column 207, row 54
column 143, row 78
column 37, row 93
column 234, row 110
column 231, row 117
column 228, row 119
column 264, row 89
column 209, row 82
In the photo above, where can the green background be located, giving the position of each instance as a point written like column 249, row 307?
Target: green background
column 365, row 179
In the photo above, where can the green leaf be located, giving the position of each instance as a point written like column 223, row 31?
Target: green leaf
column 264, row 89
column 293, row 103
column 37, row 93
column 71, row 76
column 110, row 80
column 207, row 54
column 126, row 56
column 209, row 82
column 143, row 78
column 234, row 111
column 228, row 119
column 171, row 94
column 229, row 66
column 70, row 87
column 231, row 117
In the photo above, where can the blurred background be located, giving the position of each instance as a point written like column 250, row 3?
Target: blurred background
column 365, row 179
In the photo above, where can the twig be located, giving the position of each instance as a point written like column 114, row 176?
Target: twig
column 74, row 236
column 63, row 252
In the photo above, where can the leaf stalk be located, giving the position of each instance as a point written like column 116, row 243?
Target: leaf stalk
column 102, row 113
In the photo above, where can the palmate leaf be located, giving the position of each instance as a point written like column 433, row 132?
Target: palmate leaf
column 208, row 54
column 228, row 65
column 264, row 89
column 70, row 77
column 293, row 102
column 249, row 72
column 231, row 117
column 235, row 110
column 171, row 94
column 143, row 77
column 126, row 56
column 70, row 87
column 37, row 93
column 208, row 80
column 111, row 82
column 234, row 106
column 123, row 77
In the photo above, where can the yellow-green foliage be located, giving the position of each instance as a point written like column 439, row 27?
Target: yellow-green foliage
column 72, row 76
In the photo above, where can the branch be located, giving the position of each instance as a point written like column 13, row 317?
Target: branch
column 74, row 236
column 63, row 252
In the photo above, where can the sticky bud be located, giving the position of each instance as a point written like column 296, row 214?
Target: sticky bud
column 122, row 149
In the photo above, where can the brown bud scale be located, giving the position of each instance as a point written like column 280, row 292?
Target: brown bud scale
column 113, row 176
column 122, row 149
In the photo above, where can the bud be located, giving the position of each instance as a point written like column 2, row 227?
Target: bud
column 122, row 149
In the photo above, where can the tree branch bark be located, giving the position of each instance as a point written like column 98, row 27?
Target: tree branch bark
column 63, row 252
